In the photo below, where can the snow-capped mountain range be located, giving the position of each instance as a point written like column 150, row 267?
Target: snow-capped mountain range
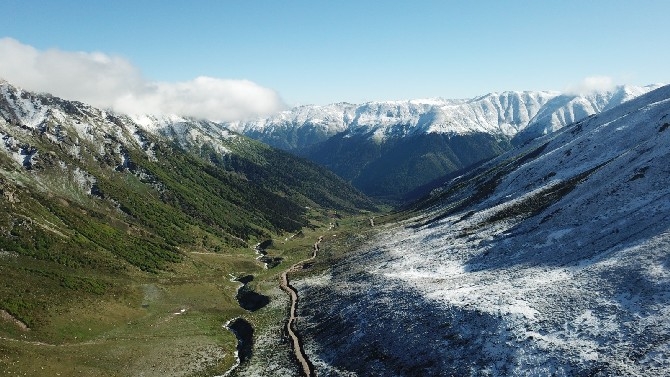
column 386, row 149
column 395, row 150
column 506, row 113
column 552, row 259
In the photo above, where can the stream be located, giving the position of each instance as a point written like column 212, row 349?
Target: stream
column 244, row 333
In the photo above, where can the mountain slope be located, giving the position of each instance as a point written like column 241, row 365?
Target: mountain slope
column 391, row 169
column 89, row 196
column 551, row 259
column 274, row 170
column 355, row 140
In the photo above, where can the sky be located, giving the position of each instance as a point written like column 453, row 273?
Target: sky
column 233, row 59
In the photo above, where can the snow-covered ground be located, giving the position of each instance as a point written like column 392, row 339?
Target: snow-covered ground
column 553, row 259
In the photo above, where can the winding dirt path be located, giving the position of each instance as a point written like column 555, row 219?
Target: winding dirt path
column 298, row 350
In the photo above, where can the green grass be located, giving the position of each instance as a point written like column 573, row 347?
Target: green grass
column 135, row 329
column 117, row 256
column 130, row 327
column 99, row 288
column 99, row 302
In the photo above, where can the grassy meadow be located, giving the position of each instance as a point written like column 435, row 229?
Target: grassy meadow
column 153, row 324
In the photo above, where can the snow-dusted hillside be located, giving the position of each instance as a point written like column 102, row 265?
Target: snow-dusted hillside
column 553, row 259
column 189, row 133
column 108, row 133
column 504, row 113
column 71, row 148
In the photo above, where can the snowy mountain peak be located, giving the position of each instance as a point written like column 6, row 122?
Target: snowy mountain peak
column 532, row 113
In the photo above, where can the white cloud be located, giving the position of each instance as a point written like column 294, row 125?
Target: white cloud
column 592, row 84
column 114, row 82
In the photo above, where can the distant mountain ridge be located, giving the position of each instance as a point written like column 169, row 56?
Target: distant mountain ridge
column 391, row 149
column 506, row 113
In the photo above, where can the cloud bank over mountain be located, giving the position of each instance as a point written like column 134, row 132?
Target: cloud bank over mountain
column 114, row 82
column 591, row 84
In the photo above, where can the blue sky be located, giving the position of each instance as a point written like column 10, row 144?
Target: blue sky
column 355, row 51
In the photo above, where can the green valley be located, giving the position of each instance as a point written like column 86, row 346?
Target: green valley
column 118, row 242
